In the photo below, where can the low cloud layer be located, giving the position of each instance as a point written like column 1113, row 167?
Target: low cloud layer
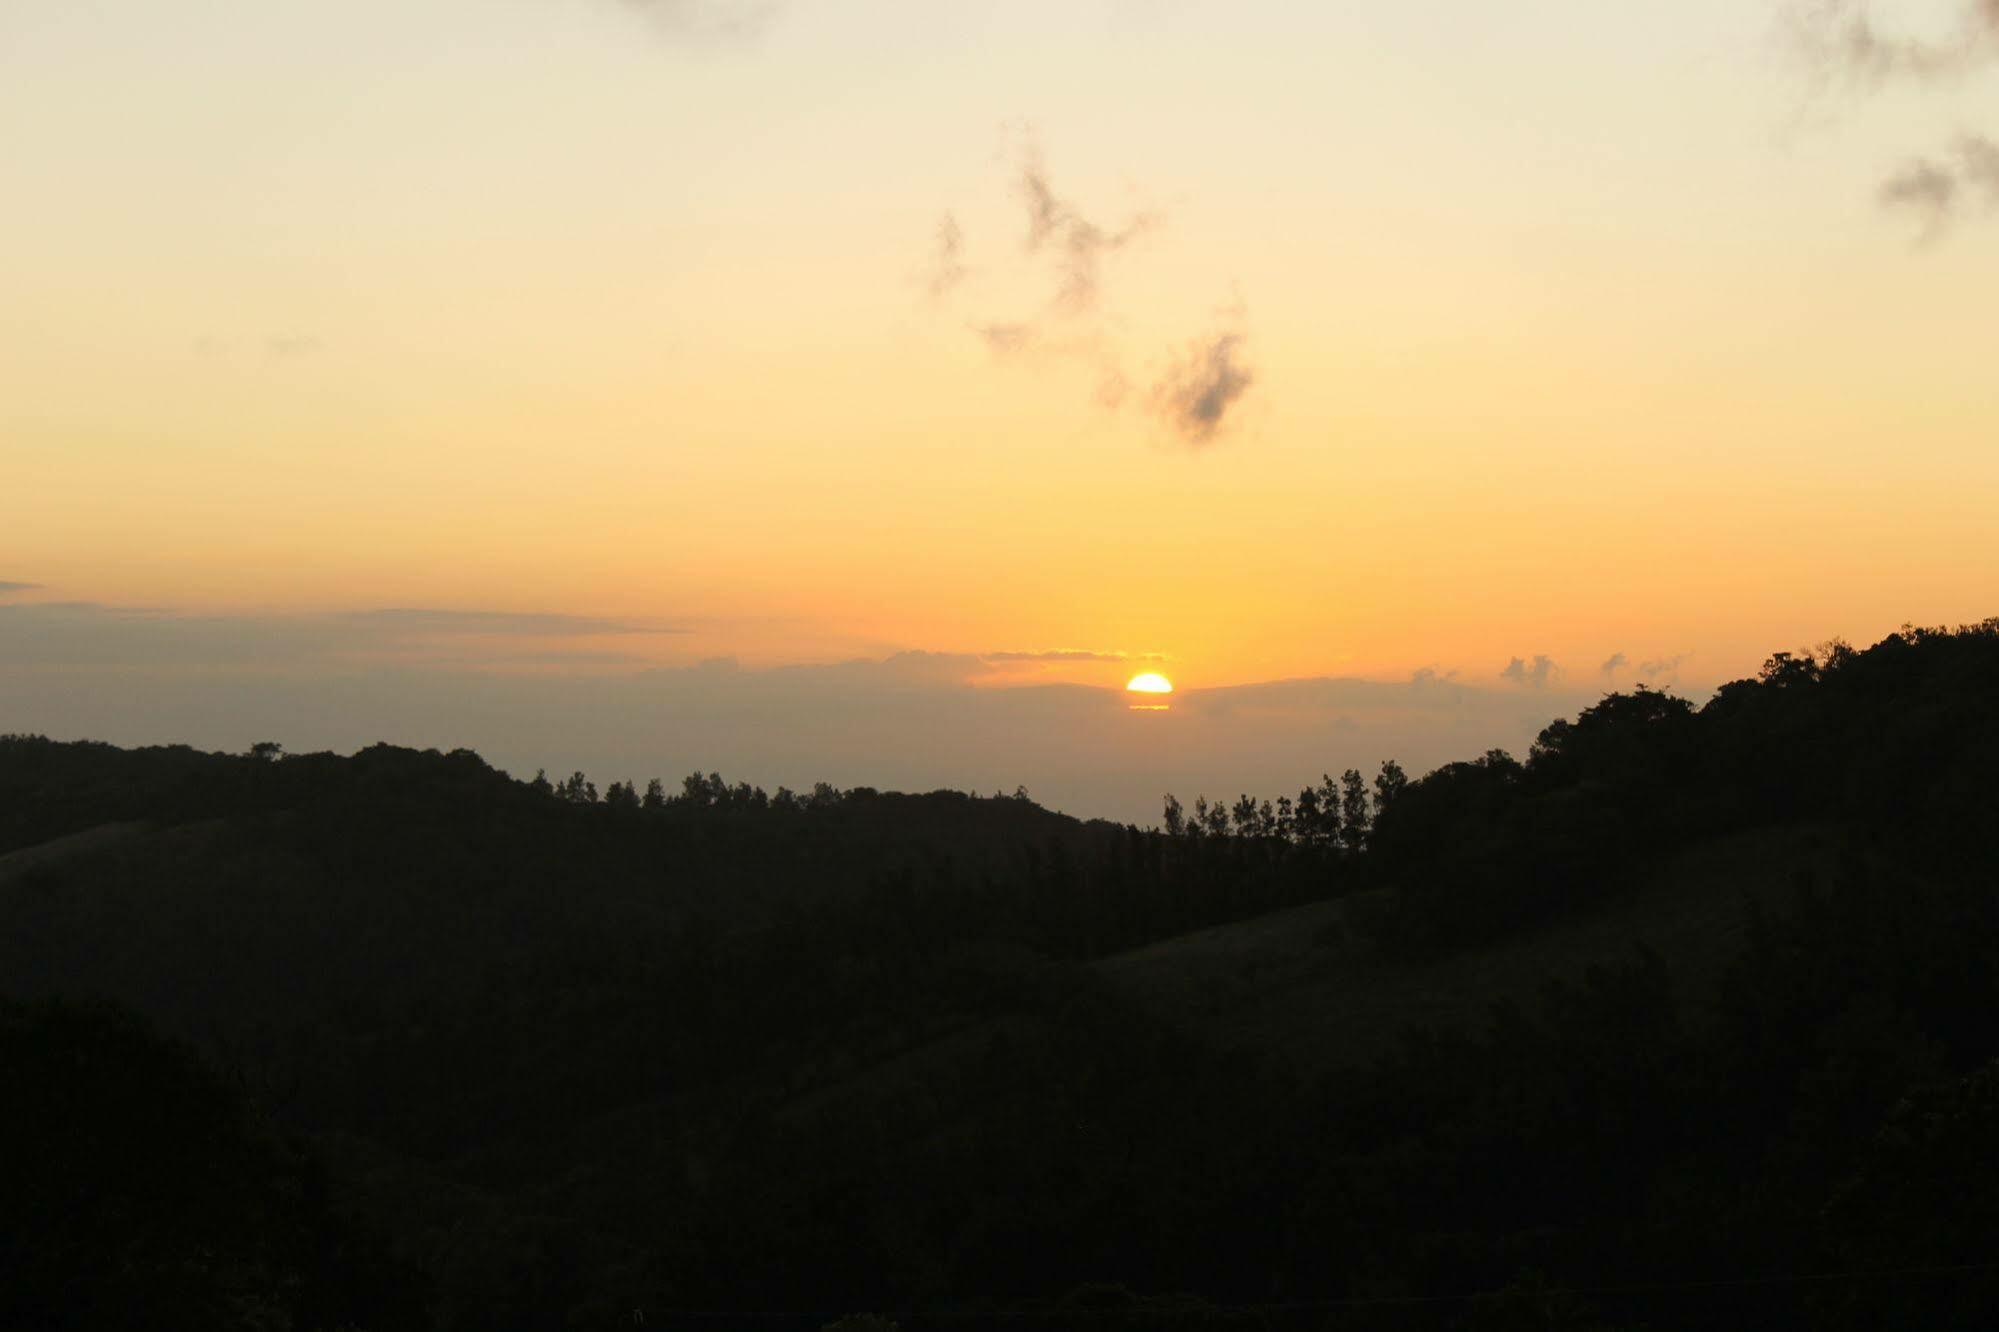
column 1536, row 674
column 6, row 587
column 62, row 635
column 909, row 721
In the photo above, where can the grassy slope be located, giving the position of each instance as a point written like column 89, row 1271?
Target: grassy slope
column 1304, row 986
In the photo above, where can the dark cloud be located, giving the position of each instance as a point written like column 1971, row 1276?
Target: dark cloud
column 1537, row 674
column 1617, row 662
column 1196, row 393
column 6, row 587
column 708, row 22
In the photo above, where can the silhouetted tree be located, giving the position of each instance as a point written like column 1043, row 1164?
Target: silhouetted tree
column 1389, row 784
column 1355, row 819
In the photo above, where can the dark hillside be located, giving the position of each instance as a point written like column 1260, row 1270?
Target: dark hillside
column 1682, row 1021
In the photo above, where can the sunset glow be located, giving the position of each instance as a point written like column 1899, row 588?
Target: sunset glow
column 724, row 347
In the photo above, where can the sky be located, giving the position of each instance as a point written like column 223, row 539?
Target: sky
column 861, row 391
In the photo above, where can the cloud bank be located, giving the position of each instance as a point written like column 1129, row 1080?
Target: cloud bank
column 909, row 721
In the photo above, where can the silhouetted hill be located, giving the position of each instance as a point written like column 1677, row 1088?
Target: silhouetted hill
column 1677, row 1022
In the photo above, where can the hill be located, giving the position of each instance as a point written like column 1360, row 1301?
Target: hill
column 1683, row 1007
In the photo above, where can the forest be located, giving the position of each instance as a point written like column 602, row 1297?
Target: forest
column 1701, row 1029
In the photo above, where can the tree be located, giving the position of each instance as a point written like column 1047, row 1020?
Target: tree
column 1390, row 783
column 1245, row 816
column 1175, row 817
column 622, row 796
column 267, row 751
column 1354, row 817
column 1309, row 819
column 541, row 785
column 655, row 796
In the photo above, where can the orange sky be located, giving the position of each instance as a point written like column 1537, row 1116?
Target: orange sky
column 1281, row 342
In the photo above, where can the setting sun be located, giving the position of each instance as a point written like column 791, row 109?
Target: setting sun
column 1149, row 683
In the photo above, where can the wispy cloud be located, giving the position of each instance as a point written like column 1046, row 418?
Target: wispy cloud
column 291, row 346
column 1006, row 339
column 1616, row 662
column 1663, row 670
column 947, row 260
column 525, row 624
column 1844, row 40
column 1924, row 188
column 1844, row 43
column 68, row 635
column 708, row 22
column 1068, row 252
column 1074, row 654
column 1056, row 226
column 7, row 587
column 1197, row 392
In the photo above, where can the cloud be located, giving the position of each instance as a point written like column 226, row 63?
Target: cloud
column 947, row 260
column 1004, row 339
column 1079, row 245
column 1074, row 654
column 7, row 587
column 1932, row 189
column 1617, row 662
column 1195, row 394
column 1663, row 670
column 529, row 624
column 72, row 635
column 1924, row 188
column 1980, row 163
column 1197, row 391
column 1840, row 39
column 290, row 346
column 708, row 22
column 906, row 721
column 1537, row 674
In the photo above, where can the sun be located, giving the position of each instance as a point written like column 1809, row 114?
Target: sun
column 1149, row 683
